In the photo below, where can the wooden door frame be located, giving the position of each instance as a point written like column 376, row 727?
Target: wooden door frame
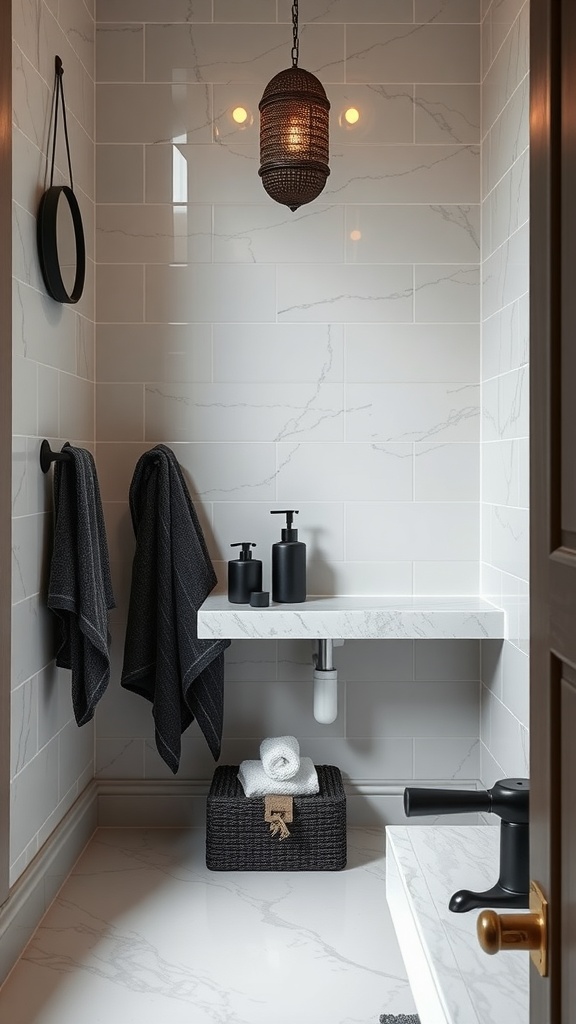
column 545, row 269
column 5, row 430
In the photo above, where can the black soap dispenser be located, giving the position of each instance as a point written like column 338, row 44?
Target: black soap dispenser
column 244, row 574
column 288, row 563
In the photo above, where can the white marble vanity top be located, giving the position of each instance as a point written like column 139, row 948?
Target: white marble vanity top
column 354, row 618
column 453, row 981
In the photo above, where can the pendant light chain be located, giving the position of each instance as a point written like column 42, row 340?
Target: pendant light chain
column 295, row 45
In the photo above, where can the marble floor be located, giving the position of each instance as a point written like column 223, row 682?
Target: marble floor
column 141, row 931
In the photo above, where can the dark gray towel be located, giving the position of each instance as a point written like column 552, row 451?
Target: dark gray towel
column 172, row 575
column 80, row 588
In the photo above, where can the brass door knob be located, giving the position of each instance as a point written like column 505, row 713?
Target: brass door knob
column 499, row 932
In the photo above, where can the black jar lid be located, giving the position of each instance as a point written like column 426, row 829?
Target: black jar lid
column 260, row 598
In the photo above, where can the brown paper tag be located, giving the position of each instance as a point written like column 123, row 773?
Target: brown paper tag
column 278, row 805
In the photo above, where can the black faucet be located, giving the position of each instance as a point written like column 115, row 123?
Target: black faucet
column 509, row 799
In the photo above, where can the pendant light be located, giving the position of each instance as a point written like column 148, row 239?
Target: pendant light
column 294, row 133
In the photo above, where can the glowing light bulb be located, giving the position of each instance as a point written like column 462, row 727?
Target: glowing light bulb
column 352, row 115
column 355, row 235
column 240, row 115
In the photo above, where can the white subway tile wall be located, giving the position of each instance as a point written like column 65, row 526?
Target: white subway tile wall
column 327, row 359
column 504, row 450
column 53, row 396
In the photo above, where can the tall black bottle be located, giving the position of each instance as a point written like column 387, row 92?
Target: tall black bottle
column 288, row 563
column 244, row 574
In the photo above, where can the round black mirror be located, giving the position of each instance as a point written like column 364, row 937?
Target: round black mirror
column 61, row 247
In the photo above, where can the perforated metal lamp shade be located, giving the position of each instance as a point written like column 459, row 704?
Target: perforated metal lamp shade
column 294, row 137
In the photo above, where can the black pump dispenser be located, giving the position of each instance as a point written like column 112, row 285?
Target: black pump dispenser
column 288, row 563
column 244, row 574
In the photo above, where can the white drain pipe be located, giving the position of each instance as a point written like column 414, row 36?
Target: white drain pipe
column 325, row 684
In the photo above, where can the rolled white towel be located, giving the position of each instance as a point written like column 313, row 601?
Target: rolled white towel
column 255, row 781
column 280, row 756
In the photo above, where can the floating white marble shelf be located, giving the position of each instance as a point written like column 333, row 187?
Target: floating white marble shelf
column 354, row 618
column 453, row 981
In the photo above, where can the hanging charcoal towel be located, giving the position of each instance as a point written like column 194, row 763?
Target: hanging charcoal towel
column 172, row 574
column 80, row 588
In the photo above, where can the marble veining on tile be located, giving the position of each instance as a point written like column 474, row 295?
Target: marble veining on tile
column 143, row 931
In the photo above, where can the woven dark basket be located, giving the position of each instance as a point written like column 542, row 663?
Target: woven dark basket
column 238, row 838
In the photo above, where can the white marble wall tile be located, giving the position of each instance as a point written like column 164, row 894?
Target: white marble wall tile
column 412, row 412
column 372, row 758
column 386, row 114
column 506, row 273
column 364, row 471
column 358, row 11
column 507, row 206
column 30, row 535
column 178, row 233
column 412, row 234
column 25, row 265
column 205, row 174
column 507, row 138
column 119, row 174
column 75, row 753
column 375, row 661
column 448, row 757
column 120, row 412
column 30, row 163
column 500, row 473
column 416, row 53
column 457, row 11
column 505, row 411
column 85, row 348
column 223, row 53
column 148, row 10
column 447, row 114
column 23, row 726
column 502, row 15
column 508, row 740
column 78, row 27
column 174, row 352
column 447, row 292
column 507, row 71
column 278, row 352
column 48, row 401
column 230, row 471
column 251, row 659
column 502, row 347
column 272, row 233
column 33, row 795
column 412, row 709
column 121, row 714
column 348, row 293
column 403, row 174
column 510, row 540
column 121, row 758
column 54, row 696
column 153, row 113
column 226, row 99
column 30, row 99
column 43, row 330
column 244, row 412
column 320, row 526
column 446, row 472
column 516, row 682
column 446, row 577
column 253, row 709
column 119, row 293
column 120, row 53
column 368, row 577
column 249, row 10
column 24, row 385
column 419, row 531
column 76, row 400
column 437, row 660
column 19, row 477
column 205, row 294
column 412, row 352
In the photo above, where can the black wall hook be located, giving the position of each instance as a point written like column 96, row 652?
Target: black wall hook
column 47, row 456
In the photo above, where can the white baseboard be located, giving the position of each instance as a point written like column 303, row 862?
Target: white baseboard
column 34, row 891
